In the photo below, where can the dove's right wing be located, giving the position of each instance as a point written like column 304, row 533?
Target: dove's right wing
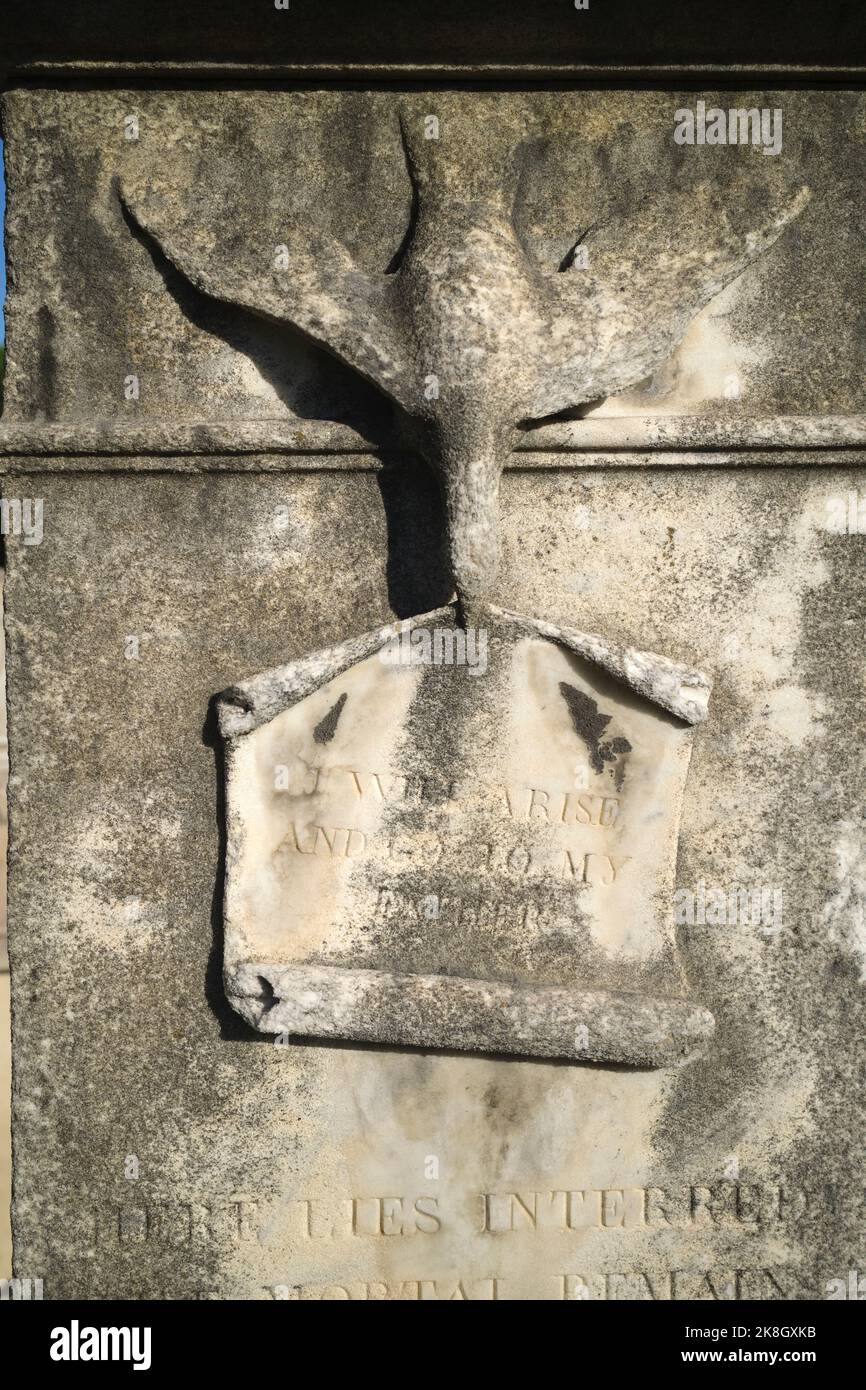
column 323, row 292
column 648, row 275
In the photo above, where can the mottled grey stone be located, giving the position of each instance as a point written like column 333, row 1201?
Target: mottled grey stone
column 270, row 1167
column 492, row 825
column 465, row 331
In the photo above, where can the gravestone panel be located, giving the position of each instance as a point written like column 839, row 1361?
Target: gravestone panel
column 461, row 842
column 426, row 886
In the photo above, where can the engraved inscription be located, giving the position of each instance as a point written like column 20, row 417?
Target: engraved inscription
column 519, row 832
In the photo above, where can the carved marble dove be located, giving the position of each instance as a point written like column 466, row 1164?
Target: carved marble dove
column 466, row 333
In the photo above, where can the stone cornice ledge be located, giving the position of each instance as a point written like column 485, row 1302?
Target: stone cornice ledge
column 607, row 440
column 116, row 69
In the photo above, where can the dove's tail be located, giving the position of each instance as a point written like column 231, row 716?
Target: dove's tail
column 470, row 485
column 446, row 160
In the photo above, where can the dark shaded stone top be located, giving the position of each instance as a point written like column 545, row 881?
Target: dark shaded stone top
column 511, row 33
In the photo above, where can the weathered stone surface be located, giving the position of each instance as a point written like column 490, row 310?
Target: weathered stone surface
column 456, row 294
column 470, row 336
column 267, row 1167
column 462, row 839
column 473, row 1015
column 209, row 444
column 263, row 162
column 125, row 1044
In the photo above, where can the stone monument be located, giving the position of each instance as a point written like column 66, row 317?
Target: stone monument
column 395, row 910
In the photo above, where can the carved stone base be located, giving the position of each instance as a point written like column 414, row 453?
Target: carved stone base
column 442, row 1011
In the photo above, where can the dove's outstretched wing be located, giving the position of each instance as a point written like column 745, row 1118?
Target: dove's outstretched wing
column 323, row 293
column 649, row 273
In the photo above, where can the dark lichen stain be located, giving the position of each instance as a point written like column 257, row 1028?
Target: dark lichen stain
column 589, row 726
column 483, row 927
column 327, row 727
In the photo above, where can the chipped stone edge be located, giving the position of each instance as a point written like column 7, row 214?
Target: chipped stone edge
column 249, row 704
column 451, row 1012
column 803, row 435
column 680, row 690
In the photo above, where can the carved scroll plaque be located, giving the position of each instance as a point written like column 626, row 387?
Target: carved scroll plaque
column 419, row 855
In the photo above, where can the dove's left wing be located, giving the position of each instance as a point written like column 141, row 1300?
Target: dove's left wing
column 649, row 273
column 322, row 292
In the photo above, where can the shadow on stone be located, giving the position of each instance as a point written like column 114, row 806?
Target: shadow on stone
column 309, row 381
column 232, row 1026
column 418, row 572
